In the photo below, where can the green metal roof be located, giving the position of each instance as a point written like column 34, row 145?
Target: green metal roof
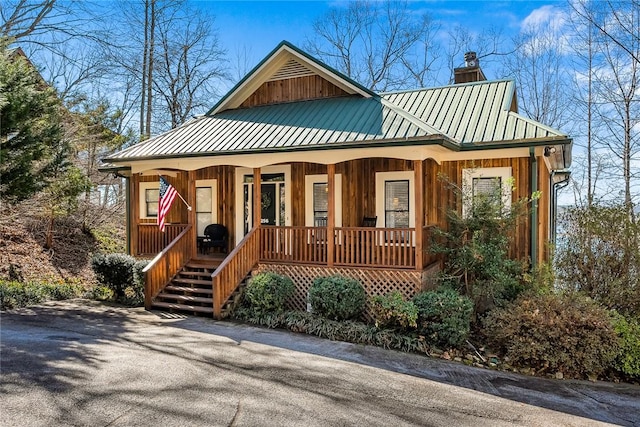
column 472, row 113
column 318, row 123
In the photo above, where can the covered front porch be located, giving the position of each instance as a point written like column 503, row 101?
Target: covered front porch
column 295, row 214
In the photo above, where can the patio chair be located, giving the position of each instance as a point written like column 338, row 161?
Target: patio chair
column 215, row 236
column 369, row 221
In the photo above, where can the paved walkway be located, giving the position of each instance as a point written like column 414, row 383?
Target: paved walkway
column 85, row 363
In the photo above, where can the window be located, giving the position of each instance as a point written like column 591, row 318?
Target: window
column 396, row 204
column 486, row 185
column 206, row 207
column 395, row 195
column 149, row 195
column 317, row 200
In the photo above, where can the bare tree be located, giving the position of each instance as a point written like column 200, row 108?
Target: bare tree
column 191, row 62
column 538, row 66
column 373, row 43
column 488, row 45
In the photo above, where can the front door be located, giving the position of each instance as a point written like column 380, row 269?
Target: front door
column 269, row 204
column 273, row 200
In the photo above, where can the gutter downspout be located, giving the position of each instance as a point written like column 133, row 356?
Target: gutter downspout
column 533, row 164
column 556, row 186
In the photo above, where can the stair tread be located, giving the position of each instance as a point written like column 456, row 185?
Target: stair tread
column 184, row 307
column 184, row 297
column 192, row 281
column 196, row 273
column 189, row 289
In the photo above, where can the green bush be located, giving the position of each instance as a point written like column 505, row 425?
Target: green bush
column 392, row 311
column 137, row 287
column 16, row 294
column 554, row 333
column 114, row 271
column 268, row 292
column 337, row 297
column 628, row 359
column 444, row 316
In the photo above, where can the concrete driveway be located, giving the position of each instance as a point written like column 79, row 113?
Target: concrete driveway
column 85, row 363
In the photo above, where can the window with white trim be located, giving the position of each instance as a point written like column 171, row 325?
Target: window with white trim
column 317, row 200
column 149, row 195
column 206, row 204
column 481, row 185
column 395, row 199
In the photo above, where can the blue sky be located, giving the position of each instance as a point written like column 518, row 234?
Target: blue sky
column 258, row 26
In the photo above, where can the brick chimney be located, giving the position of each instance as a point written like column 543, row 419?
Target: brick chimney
column 471, row 72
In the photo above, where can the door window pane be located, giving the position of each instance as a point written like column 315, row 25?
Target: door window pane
column 396, row 204
column 204, row 214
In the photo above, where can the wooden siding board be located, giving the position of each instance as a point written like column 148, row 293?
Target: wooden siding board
column 292, row 89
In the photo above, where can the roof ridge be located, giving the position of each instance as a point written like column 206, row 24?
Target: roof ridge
column 454, row 85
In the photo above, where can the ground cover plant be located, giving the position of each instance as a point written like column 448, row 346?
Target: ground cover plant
column 14, row 294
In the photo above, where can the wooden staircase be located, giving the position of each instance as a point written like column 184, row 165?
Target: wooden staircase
column 191, row 291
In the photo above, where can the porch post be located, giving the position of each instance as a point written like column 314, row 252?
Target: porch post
column 331, row 215
column 191, row 214
column 257, row 197
column 419, row 211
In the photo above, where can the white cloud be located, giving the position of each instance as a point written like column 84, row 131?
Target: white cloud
column 546, row 16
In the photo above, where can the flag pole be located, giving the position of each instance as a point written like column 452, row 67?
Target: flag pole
column 183, row 200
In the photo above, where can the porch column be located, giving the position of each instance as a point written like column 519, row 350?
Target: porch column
column 191, row 215
column 257, row 197
column 419, row 211
column 331, row 214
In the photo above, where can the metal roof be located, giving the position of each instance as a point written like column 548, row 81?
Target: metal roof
column 317, row 123
column 476, row 112
column 468, row 116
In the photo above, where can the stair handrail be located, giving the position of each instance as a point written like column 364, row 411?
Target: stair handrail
column 159, row 272
column 233, row 270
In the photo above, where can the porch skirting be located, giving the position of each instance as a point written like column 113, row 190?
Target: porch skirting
column 375, row 281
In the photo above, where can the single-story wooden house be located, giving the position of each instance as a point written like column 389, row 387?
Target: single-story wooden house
column 313, row 174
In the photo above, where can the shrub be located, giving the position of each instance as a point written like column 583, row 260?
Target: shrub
column 444, row 316
column 628, row 359
column 114, row 271
column 137, row 286
column 337, row 297
column 599, row 255
column 392, row 311
column 268, row 292
column 551, row 332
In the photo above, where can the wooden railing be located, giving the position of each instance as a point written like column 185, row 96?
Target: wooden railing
column 167, row 264
column 375, row 247
column 294, row 244
column 151, row 241
column 354, row 246
column 228, row 276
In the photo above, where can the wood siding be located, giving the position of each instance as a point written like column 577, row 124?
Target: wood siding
column 293, row 89
column 359, row 198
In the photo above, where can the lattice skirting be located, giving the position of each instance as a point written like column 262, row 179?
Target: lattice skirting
column 375, row 281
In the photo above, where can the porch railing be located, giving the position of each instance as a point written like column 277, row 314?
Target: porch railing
column 235, row 267
column 378, row 247
column 354, row 246
column 151, row 241
column 167, row 264
column 306, row 245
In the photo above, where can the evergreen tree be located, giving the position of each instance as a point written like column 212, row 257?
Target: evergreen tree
column 30, row 127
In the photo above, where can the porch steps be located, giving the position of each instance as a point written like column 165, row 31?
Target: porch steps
column 190, row 291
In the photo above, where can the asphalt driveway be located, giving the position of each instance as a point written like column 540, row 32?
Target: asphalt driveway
column 85, row 363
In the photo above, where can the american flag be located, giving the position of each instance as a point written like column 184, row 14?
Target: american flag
column 167, row 195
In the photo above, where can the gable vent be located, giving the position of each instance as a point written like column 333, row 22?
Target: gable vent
column 290, row 70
